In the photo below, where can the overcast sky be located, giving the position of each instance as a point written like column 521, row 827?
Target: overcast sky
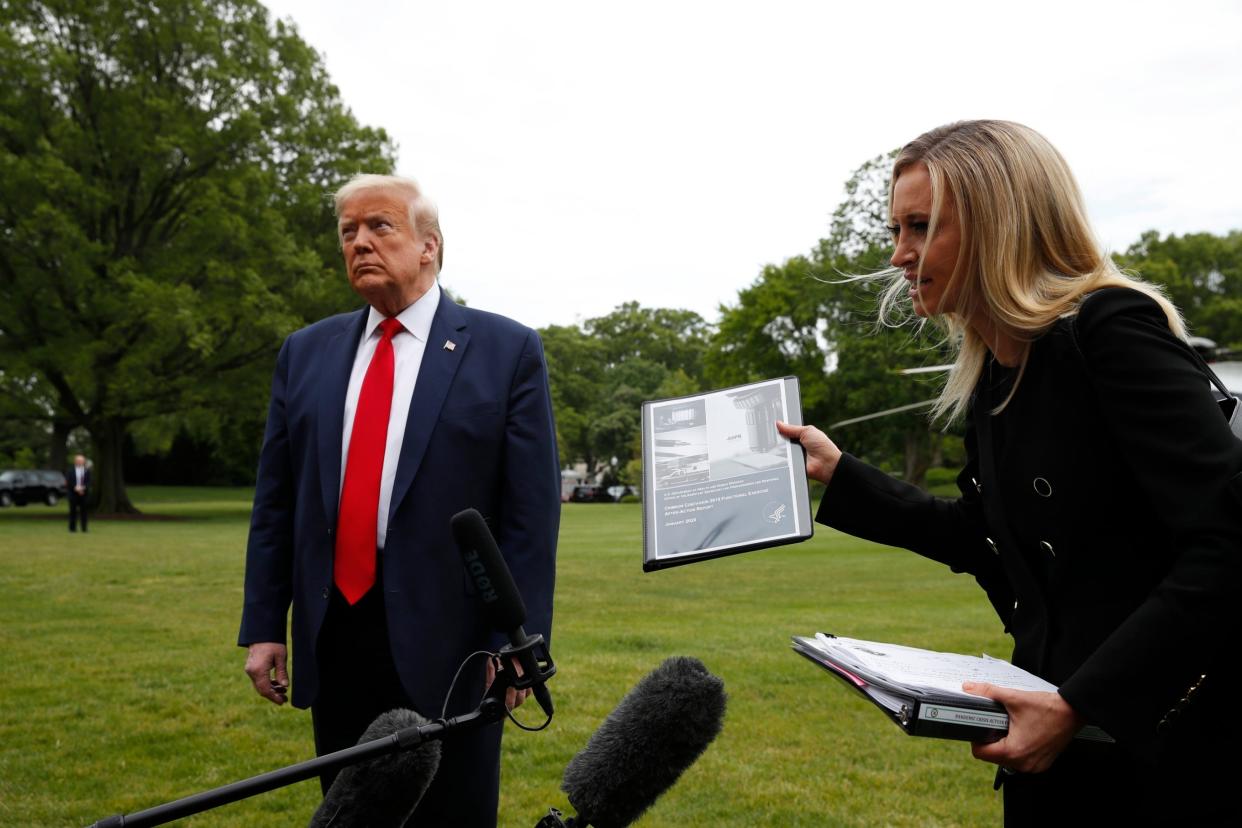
column 586, row 154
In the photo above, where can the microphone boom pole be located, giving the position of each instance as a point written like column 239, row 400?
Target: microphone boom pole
column 486, row 566
column 492, row 709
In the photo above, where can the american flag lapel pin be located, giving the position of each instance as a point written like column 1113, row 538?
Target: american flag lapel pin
column 450, row 345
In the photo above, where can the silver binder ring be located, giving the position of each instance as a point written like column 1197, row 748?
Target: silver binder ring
column 1042, row 487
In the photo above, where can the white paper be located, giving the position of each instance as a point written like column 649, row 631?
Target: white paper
column 926, row 671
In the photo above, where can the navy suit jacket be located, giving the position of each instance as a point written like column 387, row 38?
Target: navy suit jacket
column 480, row 434
column 71, row 480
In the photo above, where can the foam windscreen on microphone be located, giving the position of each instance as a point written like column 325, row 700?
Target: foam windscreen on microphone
column 383, row 791
column 657, row 731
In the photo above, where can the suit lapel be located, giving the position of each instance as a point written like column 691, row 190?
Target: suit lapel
column 338, row 363
column 435, row 376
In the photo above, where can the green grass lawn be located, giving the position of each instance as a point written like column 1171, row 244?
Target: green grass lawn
column 121, row 687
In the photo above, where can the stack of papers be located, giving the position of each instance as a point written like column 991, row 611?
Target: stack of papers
column 921, row 690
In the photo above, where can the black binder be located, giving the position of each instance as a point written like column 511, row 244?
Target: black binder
column 963, row 717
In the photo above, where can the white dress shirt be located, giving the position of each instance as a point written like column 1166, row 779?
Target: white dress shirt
column 407, row 347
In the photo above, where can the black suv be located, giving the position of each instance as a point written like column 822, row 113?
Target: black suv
column 26, row 486
column 590, row 494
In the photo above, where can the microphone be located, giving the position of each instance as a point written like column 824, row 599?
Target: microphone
column 502, row 603
column 657, row 731
column 383, row 791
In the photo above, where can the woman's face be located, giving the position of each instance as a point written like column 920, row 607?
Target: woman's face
column 934, row 291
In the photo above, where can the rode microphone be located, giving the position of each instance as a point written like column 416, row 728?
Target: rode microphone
column 502, row 603
column 384, row 791
column 644, row 746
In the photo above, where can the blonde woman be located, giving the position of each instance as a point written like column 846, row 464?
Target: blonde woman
column 1101, row 502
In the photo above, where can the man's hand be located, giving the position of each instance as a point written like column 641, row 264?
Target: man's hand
column 265, row 664
column 1040, row 726
column 513, row 697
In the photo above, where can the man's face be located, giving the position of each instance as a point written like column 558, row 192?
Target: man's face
column 79, row 460
column 390, row 264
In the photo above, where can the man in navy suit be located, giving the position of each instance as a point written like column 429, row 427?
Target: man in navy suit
column 377, row 434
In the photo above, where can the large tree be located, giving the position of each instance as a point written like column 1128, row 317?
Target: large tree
column 163, row 220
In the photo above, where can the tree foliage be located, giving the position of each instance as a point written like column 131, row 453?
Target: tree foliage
column 1202, row 273
column 808, row 318
column 602, row 371
column 163, row 220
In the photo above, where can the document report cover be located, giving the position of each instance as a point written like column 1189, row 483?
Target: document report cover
column 717, row 476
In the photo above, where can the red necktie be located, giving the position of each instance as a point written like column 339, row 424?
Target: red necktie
column 354, row 568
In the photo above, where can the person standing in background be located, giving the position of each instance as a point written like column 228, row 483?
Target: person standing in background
column 79, row 479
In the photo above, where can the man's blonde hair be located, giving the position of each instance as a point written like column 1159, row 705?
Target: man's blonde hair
column 1027, row 255
column 423, row 214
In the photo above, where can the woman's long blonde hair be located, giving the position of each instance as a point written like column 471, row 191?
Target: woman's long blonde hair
column 1027, row 254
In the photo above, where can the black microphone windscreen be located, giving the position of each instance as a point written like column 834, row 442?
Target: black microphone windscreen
column 488, row 571
column 385, row 790
column 653, row 735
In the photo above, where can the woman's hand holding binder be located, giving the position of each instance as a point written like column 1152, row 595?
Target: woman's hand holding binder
column 1040, row 726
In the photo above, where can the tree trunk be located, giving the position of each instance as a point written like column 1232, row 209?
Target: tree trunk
column 57, row 456
column 918, row 457
column 107, row 475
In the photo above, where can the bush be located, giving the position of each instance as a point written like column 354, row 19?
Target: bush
column 941, row 477
column 942, row 482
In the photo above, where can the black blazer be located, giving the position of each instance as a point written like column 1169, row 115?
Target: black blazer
column 1102, row 513
column 71, row 480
